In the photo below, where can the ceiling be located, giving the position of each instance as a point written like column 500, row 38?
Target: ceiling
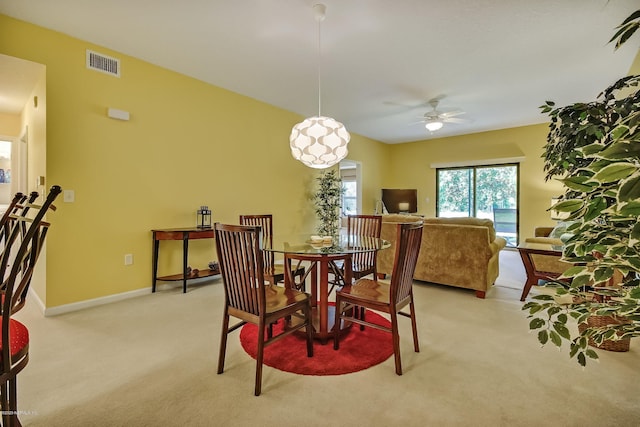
column 381, row 60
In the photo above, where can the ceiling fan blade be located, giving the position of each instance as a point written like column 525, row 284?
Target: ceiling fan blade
column 452, row 113
column 454, row 120
column 406, row 106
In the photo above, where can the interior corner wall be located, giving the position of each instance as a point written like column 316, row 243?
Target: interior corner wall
column 375, row 168
column 187, row 144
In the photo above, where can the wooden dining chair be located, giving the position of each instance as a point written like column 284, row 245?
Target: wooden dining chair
column 273, row 273
column 248, row 299
column 364, row 263
column 389, row 298
column 18, row 257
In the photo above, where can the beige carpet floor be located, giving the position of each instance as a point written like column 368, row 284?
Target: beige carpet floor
column 151, row 361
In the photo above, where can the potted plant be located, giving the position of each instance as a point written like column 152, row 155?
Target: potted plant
column 594, row 149
column 327, row 199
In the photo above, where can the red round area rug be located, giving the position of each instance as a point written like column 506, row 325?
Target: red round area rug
column 358, row 350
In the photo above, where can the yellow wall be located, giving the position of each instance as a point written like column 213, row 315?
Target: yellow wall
column 635, row 66
column 34, row 125
column 187, row 144
column 9, row 124
column 411, row 164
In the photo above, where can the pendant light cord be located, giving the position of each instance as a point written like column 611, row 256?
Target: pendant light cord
column 319, row 65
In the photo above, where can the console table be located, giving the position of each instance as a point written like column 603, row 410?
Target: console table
column 184, row 234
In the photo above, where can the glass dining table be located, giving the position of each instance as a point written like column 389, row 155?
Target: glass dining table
column 322, row 259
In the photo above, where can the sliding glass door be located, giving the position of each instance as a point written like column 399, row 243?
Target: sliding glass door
column 483, row 192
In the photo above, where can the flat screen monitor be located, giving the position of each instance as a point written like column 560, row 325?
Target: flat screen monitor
column 400, row 200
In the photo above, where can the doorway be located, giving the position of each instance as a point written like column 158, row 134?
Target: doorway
column 489, row 191
column 21, row 81
column 351, row 176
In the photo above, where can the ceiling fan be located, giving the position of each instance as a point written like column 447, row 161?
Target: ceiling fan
column 434, row 120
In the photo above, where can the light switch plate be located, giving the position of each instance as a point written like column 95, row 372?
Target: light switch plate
column 69, row 196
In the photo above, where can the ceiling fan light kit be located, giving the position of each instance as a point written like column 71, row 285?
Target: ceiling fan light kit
column 433, row 125
column 319, row 142
column 434, row 120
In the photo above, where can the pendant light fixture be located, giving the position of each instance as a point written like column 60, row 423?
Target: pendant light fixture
column 319, row 142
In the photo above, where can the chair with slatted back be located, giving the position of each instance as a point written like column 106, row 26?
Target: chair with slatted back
column 27, row 233
column 18, row 204
column 273, row 273
column 13, row 226
column 364, row 263
column 389, row 298
column 248, row 298
column 16, row 200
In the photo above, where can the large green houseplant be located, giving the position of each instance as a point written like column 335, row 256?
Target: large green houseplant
column 327, row 199
column 594, row 149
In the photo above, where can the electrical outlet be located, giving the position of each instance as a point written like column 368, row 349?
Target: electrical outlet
column 128, row 259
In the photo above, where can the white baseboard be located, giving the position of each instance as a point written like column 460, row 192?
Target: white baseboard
column 67, row 308
column 34, row 296
column 81, row 305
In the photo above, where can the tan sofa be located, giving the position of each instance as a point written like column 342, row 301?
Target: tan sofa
column 461, row 252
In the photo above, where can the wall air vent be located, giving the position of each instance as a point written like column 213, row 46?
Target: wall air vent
column 103, row 63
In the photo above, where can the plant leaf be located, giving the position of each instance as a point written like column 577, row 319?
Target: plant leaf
column 621, row 150
column 629, row 209
column 581, row 359
column 543, row 336
column 573, row 271
column 562, row 330
column 568, row 205
column 614, row 172
column 630, row 189
column 580, row 281
column 595, row 208
column 536, row 324
column 555, row 338
column 579, row 183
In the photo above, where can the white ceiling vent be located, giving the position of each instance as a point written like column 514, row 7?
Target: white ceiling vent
column 103, row 63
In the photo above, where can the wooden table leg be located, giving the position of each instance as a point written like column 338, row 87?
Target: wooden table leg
column 323, row 310
column 156, row 244
column 531, row 274
column 185, row 257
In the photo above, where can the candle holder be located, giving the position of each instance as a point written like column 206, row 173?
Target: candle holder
column 203, row 217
